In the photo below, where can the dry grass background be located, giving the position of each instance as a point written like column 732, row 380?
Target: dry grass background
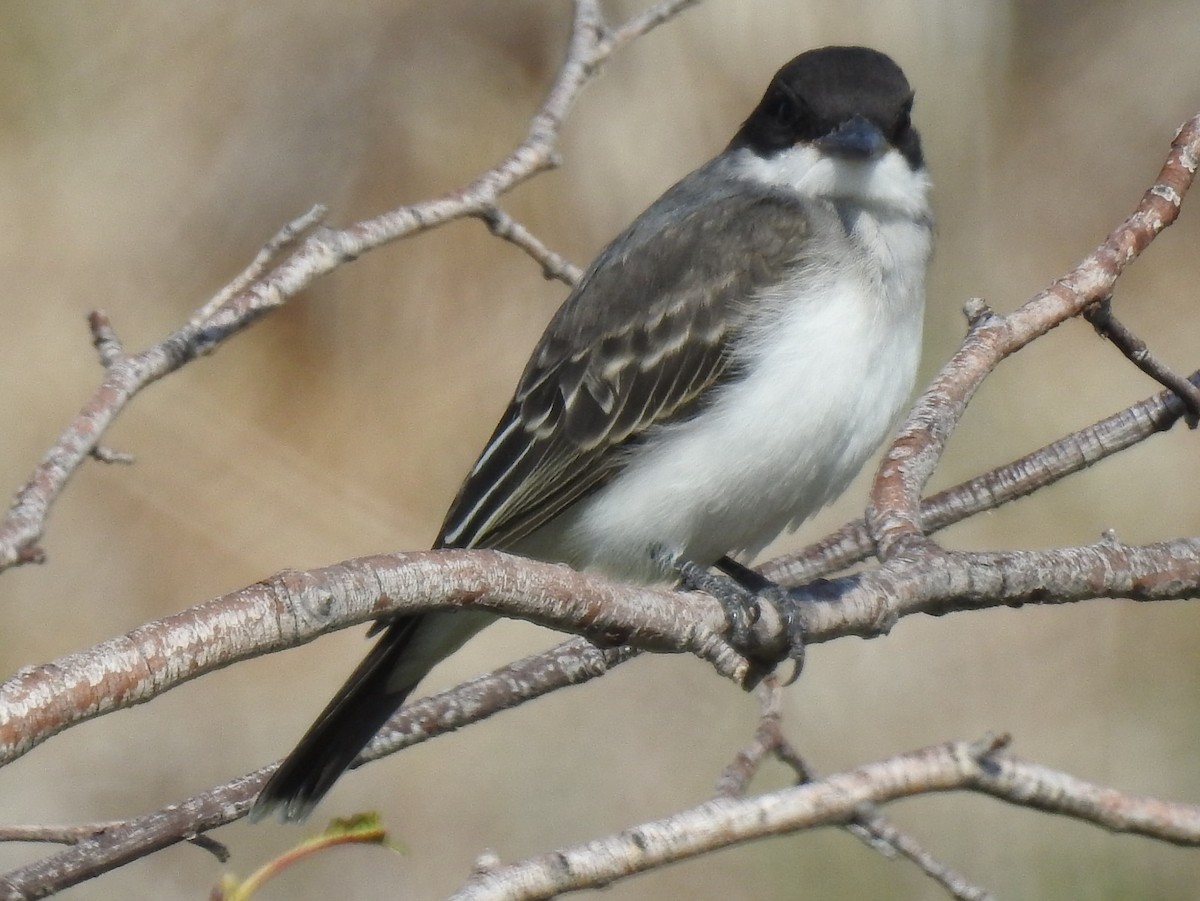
column 147, row 150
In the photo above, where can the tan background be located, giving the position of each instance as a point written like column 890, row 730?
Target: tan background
column 148, row 149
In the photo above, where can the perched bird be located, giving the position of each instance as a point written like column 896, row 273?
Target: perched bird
column 721, row 371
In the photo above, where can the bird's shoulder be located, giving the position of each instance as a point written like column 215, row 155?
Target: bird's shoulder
column 682, row 275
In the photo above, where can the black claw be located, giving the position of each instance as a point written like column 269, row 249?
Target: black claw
column 797, row 641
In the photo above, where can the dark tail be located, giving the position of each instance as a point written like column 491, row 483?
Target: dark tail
column 408, row 649
column 369, row 697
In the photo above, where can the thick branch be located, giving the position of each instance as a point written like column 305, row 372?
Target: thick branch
column 293, row 608
column 296, row 607
column 724, row 822
column 937, row 583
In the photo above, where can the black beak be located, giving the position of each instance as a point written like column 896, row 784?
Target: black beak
column 857, row 139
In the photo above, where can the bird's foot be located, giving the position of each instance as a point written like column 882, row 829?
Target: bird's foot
column 742, row 592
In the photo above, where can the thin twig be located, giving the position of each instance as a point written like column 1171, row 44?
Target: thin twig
column 880, row 829
column 868, row 824
column 1100, row 315
column 105, row 454
column 504, row 226
column 257, row 292
column 282, row 240
column 125, row 375
column 769, row 740
column 104, row 338
column 644, row 22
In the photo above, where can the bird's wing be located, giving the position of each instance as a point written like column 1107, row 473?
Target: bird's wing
column 636, row 345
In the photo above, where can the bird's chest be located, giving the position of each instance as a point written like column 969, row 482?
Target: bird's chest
column 832, row 353
column 826, row 366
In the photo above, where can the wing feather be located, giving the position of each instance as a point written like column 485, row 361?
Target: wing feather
column 639, row 343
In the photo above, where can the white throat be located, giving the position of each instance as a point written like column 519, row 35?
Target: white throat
column 885, row 183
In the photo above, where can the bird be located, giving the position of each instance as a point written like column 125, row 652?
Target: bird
column 722, row 370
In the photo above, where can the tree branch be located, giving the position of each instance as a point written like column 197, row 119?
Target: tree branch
column 916, row 577
column 258, row 291
column 1100, row 315
column 293, row 608
column 505, row 227
column 869, row 824
column 852, row 542
column 571, row 663
column 724, row 822
column 125, row 376
column 936, row 583
column 893, row 517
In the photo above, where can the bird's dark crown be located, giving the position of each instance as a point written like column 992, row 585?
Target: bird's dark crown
column 820, row 90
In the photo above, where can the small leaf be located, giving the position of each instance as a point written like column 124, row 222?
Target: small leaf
column 360, row 829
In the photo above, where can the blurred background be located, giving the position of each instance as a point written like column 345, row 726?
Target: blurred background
column 148, row 150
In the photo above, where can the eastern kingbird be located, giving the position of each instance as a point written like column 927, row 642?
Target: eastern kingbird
column 722, row 370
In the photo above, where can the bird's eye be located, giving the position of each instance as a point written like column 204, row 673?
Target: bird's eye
column 782, row 109
column 903, row 121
